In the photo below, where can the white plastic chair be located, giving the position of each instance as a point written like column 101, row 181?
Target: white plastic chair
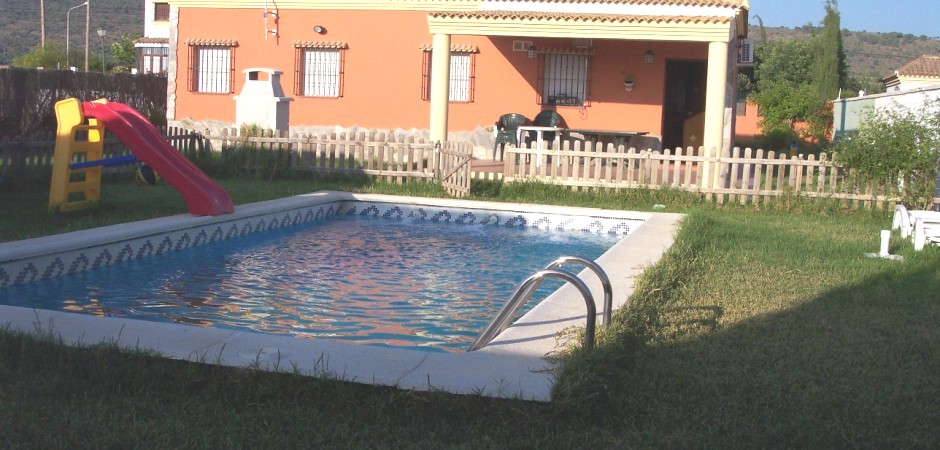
column 926, row 231
column 904, row 219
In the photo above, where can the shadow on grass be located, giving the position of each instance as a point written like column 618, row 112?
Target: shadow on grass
column 854, row 367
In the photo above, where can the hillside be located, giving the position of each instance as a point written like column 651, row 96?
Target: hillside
column 868, row 55
column 19, row 24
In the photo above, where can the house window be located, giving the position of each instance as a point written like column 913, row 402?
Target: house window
column 211, row 67
column 564, row 79
column 318, row 70
column 161, row 12
column 152, row 59
column 462, row 75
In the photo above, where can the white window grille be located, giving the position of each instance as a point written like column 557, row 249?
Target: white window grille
column 462, row 76
column 322, row 72
column 212, row 69
column 461, row 72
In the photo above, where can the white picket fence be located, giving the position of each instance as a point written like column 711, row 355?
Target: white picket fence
column 386, row 156
column 737, row 175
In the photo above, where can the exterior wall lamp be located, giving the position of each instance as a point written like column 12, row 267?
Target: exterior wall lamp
column 101, row 34
column 648, row 57
column 319, row 29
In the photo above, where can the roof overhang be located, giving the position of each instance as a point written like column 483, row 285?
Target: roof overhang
column 660, row 20
column 151, row 42
column 364, row 5
column 588, row 26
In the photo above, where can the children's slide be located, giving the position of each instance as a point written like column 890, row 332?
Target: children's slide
column 202, row 195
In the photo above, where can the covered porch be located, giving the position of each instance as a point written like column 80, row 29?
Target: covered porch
column 657, row 75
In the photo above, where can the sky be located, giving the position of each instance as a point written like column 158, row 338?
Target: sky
column 917, row 17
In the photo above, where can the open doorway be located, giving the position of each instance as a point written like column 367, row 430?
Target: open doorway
column 684, row 109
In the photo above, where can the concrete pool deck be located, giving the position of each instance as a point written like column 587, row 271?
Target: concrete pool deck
column 512, row 366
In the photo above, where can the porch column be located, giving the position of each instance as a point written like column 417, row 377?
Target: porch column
column 716, row 87
column 440, row 89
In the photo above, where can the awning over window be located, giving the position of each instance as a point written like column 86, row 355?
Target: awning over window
column 454, row 48
column 218, row 42
column 320, row 44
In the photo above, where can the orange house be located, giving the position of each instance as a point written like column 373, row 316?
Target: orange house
column 665, row 67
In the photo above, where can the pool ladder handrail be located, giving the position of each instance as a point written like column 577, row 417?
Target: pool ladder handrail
column 528, row 287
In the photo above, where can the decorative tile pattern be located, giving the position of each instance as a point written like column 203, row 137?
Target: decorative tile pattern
column 65, row 262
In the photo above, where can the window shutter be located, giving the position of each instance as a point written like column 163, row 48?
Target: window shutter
column 746, row 53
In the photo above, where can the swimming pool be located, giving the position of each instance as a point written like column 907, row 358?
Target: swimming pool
column 402, row 281
column 512, row 365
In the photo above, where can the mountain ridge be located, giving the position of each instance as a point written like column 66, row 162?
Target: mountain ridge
column 869, row 55
column 20, row 29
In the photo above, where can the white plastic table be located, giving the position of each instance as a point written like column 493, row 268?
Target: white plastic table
column 539, row 138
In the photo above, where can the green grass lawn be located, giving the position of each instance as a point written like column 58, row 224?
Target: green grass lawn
column 761, row 327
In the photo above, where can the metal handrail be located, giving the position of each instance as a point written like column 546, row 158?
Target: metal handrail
column 522, row 295
column 605, row 282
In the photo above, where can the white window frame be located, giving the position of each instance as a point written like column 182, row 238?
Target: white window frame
column 153, row 60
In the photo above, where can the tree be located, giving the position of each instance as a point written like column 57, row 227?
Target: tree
column 785, row 61
column 796, row 80
column 122, row 52
column 785, row 92
column 828, row 65
column 50, row 57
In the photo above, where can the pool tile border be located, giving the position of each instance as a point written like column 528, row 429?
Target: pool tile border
column 20, row 263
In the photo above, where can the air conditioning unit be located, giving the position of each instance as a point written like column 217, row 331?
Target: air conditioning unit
column 582, row 43
column 521, row 46
column 746, row 52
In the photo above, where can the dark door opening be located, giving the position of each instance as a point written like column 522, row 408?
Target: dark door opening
column 684, row 108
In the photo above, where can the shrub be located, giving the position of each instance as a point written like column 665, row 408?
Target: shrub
column 898, row 146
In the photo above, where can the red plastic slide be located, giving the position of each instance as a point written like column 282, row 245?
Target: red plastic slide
column 203, row 196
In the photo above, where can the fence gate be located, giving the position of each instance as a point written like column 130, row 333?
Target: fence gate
column 454, row 169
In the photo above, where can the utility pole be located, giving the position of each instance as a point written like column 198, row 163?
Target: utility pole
column 87, row 20
column 42, row 23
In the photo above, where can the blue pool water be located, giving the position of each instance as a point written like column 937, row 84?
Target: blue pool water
column 393, row 282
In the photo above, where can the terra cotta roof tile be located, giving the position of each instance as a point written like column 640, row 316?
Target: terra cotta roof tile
column 151, row 40
column 720, row 3
column 321, row 44
column 564, row 16
column 925, row 66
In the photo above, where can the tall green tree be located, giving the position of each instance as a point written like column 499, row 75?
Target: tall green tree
column 828, row 65
column 122, row 53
